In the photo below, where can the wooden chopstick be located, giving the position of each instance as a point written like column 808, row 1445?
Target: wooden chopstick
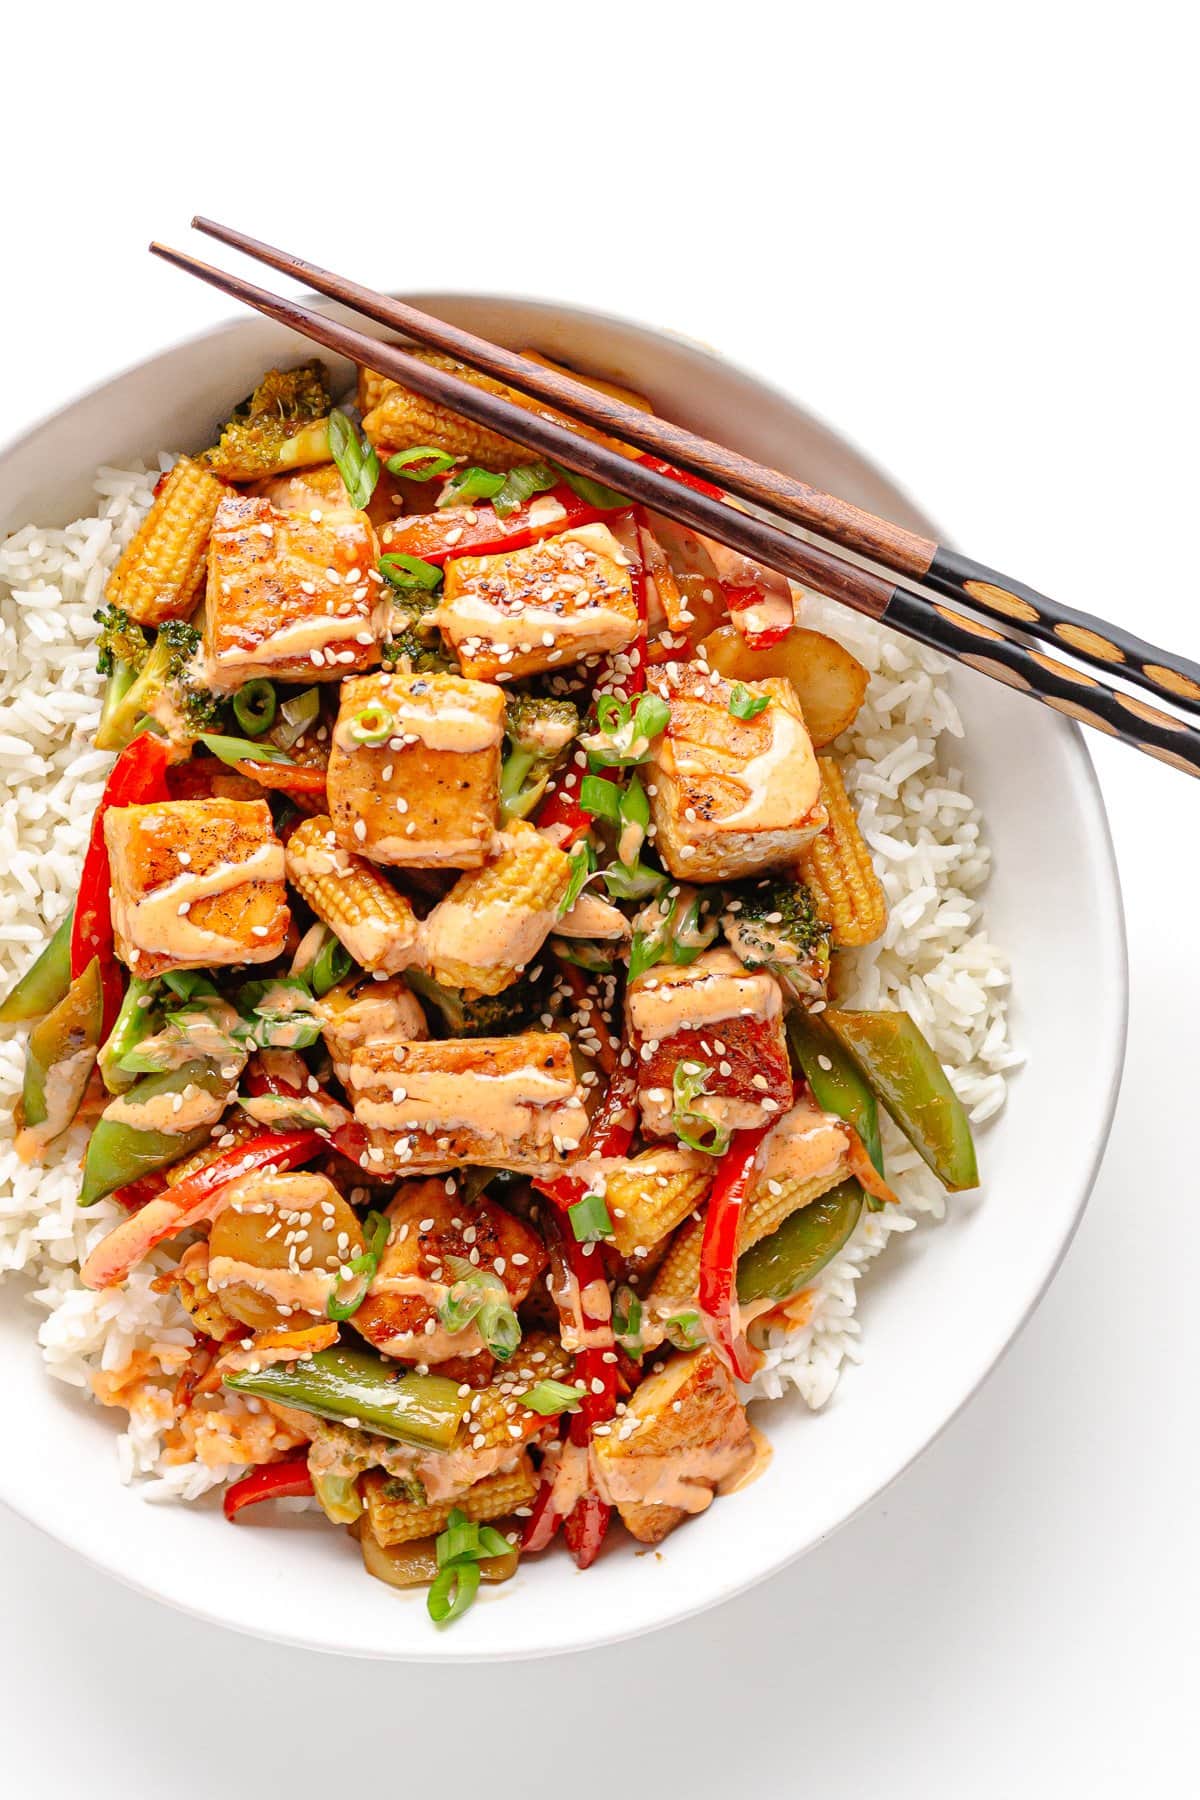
column 936, row 566
column 990, row 649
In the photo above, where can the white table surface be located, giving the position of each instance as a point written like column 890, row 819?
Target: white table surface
column 966, row 237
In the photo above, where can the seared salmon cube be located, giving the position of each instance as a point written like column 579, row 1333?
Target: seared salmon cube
column 414, row 769
column 429, row 1227
column 291, row 595
column 539, row 608
column 731, row 794
column 508, row 1103
column 196, row 884
column 710, row 1046
column 682, row 1436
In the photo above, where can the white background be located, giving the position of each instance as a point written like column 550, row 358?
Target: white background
column 966, row 236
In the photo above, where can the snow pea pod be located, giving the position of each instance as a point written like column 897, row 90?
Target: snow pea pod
column 899, row 1064
column 794, row 1254
column 338, row 1383
column 59, row 1060
column 834, row 1079
column 119, row 1152
column 44, row 983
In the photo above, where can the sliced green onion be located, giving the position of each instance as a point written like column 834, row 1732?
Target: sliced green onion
column 635, row 881
column 297, row 716
column 254, row 707
column 520, row 485
column 629, row 730
column 551, row 1397
column 651, row 715
column 421, row 463
column 409, row 571
column 453, row 1592
column 470, row 485
column 604, row 499
column 376, row 1231
column 684, row 1331
column 492, row 1543
column 332, row 963
column 478, row 1296
column 583, row 861
column 745, row 705
column 635, row 820
column 459, row 1539
column 185, row 984
column 357, row 462
column 600, row 798
column 373, row 724
column 590, row 1219
column 693, row 1128
column 233, row 750
column 627, row 1321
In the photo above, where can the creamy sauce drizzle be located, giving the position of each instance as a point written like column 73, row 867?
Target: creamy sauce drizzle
column 714, row 987
column 160, row 1113
column 154, row 922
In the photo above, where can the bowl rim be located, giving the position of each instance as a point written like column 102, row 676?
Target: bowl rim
column 1079, row 768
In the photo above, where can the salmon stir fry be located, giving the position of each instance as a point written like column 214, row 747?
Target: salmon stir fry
column 451, row 996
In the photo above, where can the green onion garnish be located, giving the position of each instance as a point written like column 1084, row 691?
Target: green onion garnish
column 604, row 499
column 332, row 963
column 684, row 1331
column 600, row 798
column 583, row 861
column 297, row 715
column 409, row 571
column 634, row 881
column 693, row 1128
column 421, row 463
column 625, row 730
column 745, row 705
column 233, row 750
column 551, row 1397
column 627, row 1321
column 590, row 1219
column 186, row 983
column 453, row 1591
column 376, row 1231
column 254, row 707
column 373, row 724
column 470, row 485
column 520, row 485
column 357, row 462
column 479, row 1297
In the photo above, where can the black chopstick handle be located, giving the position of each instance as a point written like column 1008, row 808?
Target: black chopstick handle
column 1067, row 690
column 1162, row 672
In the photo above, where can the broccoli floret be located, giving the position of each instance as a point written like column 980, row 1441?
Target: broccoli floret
column 538, row 730
column 489, row 1015
column 774, row 925
column 121, row 640
column 168, row 687
column 418, row 654
column 283, row 425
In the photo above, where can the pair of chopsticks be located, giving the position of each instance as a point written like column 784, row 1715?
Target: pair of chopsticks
column 908, row 587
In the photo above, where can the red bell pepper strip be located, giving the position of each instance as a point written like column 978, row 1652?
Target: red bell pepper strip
column 436, row 537
column 138, row 777
column 286, row 1480
column 682, row 476
column 586, row 1526
column 288, row 778
column 191, row 1201
column 136, row 1193
column 719, row 1249
column 609, row 1133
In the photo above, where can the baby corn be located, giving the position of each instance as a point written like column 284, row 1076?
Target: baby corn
column 162, row 567
column 679, row 1277
column 509, row 906
column 398, row 419
column 347, row 893
column 838, row 870
column 395, row 1519
column 495, row 1417
column 652, row 1194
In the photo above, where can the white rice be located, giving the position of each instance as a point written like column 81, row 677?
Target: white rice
column 935, row 959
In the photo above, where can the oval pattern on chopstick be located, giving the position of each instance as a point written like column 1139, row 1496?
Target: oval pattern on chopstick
column 1090, row 642
column 1012, row 605
column 1150, row 714
column 1172, row 681
column 1062, row 669
column 1085, row 716
column 987, row 665
column 966, row 624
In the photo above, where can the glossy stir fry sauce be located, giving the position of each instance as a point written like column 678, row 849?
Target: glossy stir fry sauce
column 447, row 988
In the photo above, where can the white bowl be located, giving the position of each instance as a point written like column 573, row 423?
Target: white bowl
column 937, row 1311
